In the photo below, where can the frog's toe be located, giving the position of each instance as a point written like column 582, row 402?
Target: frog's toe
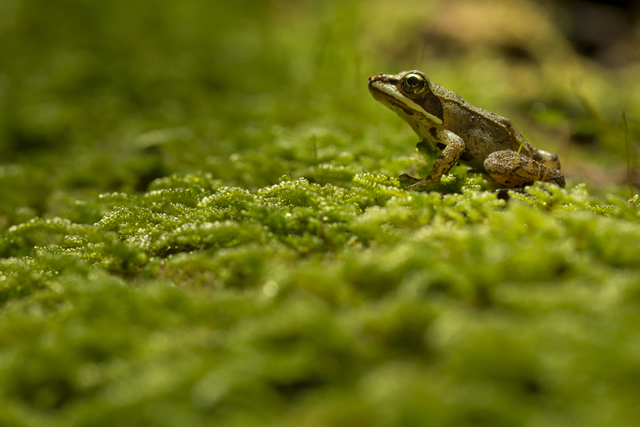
column 558, row 180
column 549, row 159
column 408, row 178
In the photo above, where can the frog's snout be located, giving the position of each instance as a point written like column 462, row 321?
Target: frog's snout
column 379, row 77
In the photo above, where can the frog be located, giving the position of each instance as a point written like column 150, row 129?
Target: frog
column 459, row 131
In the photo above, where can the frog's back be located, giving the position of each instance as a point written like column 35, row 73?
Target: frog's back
column 483, row 131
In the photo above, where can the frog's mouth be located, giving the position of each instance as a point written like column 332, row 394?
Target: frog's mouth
column 386, row 92
column 390, row 101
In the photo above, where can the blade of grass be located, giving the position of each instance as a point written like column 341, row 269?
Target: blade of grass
column 518, row 153
column 628, row 146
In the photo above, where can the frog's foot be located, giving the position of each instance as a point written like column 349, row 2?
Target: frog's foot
column 413, row 183
column 408, row 178
column 408, row 182
column 513, row 170
column 549, row 159
column 422, row 182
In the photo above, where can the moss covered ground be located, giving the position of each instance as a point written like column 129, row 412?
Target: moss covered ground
column 202, row 223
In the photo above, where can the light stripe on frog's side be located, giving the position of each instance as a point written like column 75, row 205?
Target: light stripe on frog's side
column 394, row 93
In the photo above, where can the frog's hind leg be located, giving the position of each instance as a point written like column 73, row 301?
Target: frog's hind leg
column 513, row 170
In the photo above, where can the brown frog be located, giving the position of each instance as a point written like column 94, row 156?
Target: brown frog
column 462, row 131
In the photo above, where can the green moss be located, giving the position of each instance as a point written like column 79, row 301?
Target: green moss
column 234, row 302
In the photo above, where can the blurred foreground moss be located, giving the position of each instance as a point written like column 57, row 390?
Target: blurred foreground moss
column 308, row 304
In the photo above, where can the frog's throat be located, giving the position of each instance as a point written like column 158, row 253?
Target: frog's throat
column 393, row 92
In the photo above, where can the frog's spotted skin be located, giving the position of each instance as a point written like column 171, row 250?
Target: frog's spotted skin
column 522, row 171
column 463, row 132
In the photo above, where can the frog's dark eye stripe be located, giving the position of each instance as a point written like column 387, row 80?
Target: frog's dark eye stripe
column 414, row 84
column 398, row 98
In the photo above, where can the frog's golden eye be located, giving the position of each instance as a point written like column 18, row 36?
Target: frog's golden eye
column 414, row 84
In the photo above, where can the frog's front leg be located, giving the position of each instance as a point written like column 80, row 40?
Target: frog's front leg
column 513, row 170
column 454, row 148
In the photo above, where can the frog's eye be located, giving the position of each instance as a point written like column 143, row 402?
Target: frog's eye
column 414, row 84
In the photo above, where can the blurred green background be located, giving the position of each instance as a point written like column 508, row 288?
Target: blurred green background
column 161, row 262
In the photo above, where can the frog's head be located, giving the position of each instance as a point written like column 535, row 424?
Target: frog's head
column 409, row 94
